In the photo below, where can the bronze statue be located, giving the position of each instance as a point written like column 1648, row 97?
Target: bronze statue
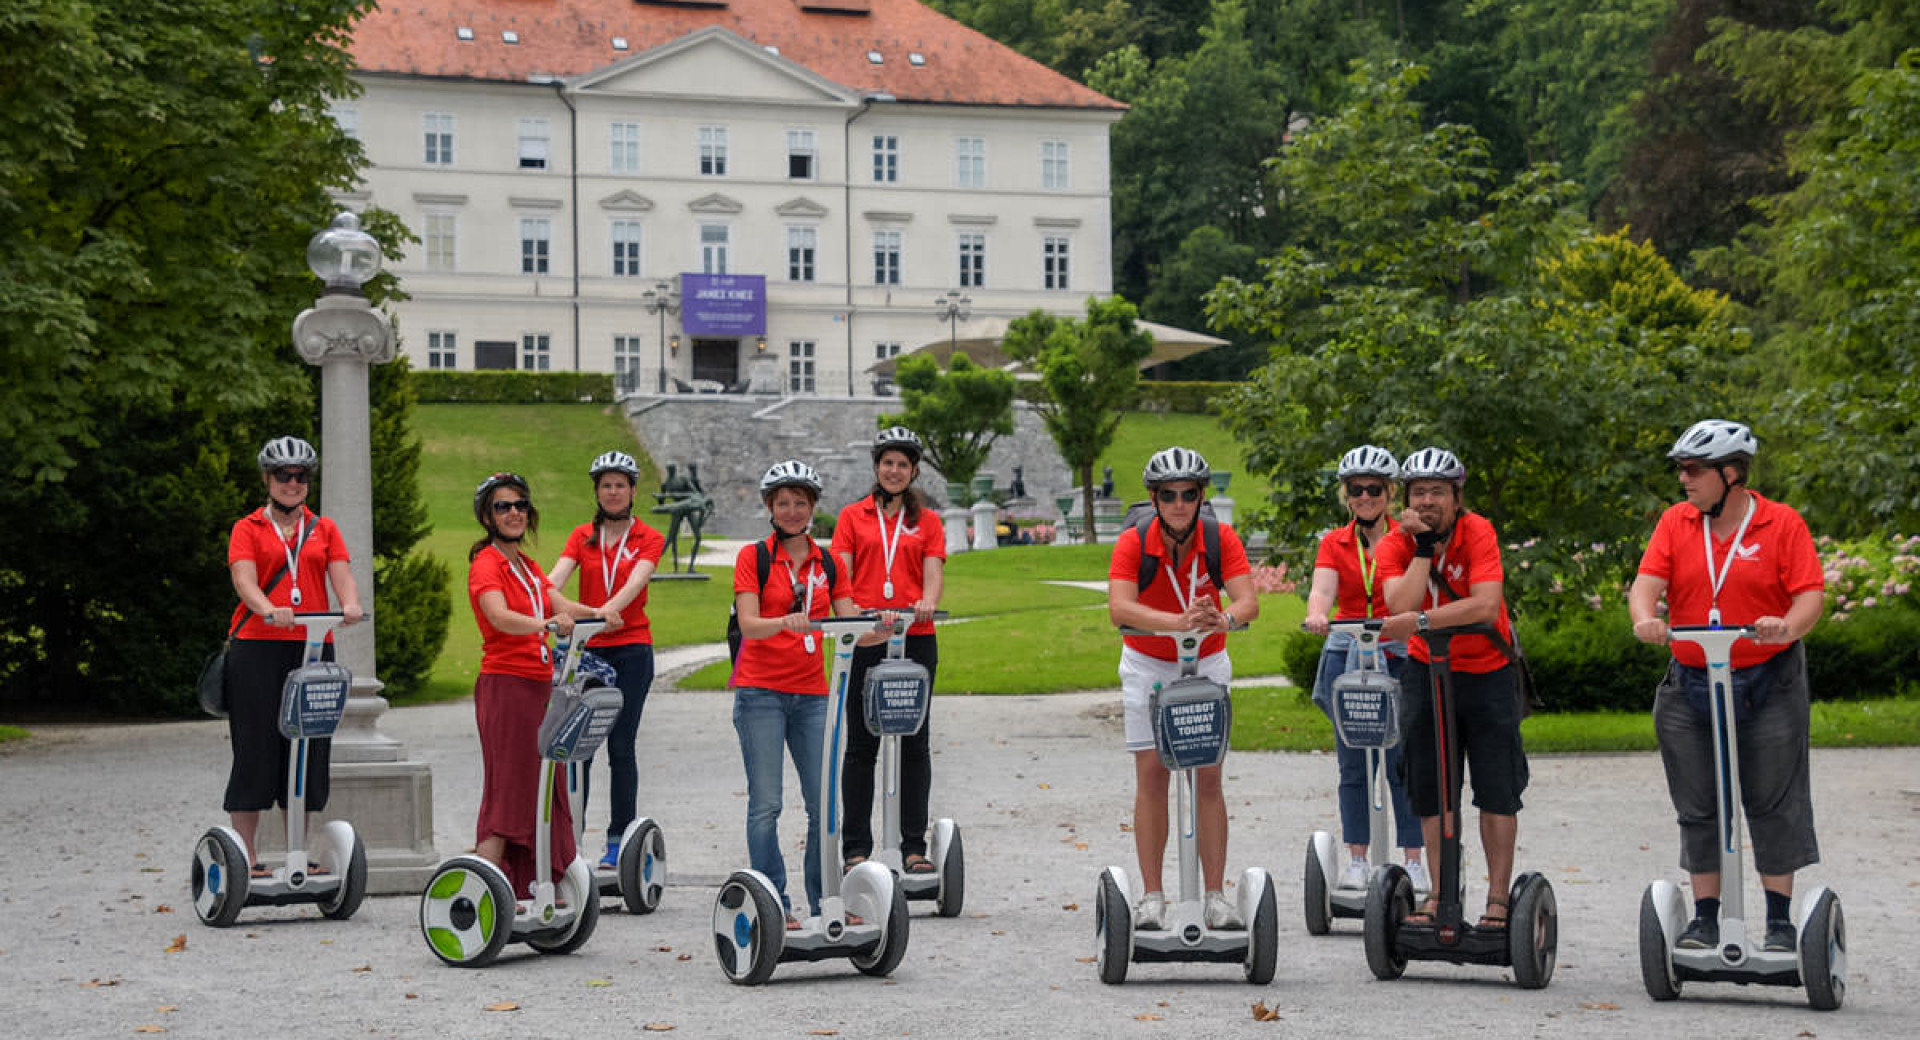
column 682, row 498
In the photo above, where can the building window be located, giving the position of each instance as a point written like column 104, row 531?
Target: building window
column 713, row 151
column 536, row 243
column 626, row 362
column 886, row 258
column 1054, row 255
column 536, row 352
column 440, row 241
column 800, row 155
column 438, row 127
column 623, row 148
column 533, row 144
column 886, row 158
column 714, row 240
column 626, row 248
column 973, row 259
column 347, row 118
column 970, row 162
column 1055, row 173
column 883, row 351
column 801, row 243
column 441, row 350
column 800, row 366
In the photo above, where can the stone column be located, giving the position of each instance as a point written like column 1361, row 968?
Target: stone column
column 983, row 516
column 955, row 522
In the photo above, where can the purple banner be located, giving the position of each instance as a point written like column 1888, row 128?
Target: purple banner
column 723, row 304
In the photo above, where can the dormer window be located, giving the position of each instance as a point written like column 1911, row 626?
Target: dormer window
column 465, row 32
column 916, row 59
column 875, row 58
column 509, row 36
column 619, row 43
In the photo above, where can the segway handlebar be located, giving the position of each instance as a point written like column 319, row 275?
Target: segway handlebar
column 1128, row 630
column 1684, row 631
column 319, row 615
column 1352, row 625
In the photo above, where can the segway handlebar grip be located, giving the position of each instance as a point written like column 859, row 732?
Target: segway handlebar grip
column 1129, row 630
column 1745, row 631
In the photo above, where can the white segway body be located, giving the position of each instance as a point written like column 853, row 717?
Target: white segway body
column 638, row 877
column 1366, row 715
column 898, row 695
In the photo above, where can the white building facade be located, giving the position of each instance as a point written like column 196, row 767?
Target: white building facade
column 561, row 196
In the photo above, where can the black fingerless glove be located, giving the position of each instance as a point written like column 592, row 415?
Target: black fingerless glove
column 1424, row 543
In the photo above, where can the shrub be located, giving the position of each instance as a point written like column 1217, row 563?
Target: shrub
column 509, row 387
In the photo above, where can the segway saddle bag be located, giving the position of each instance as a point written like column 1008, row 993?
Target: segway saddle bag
column 313, row 699
column 897, row 693
column 1366, row 709
column 1192, row 719
column 577, row 722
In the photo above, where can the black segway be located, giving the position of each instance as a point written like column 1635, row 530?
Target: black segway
column 898, row 693
column 750, row 934
column 1820, row 963
column 1530, row 941
column 638, row 877
column 1192, row 720
column 469, row 911
column 333, row 871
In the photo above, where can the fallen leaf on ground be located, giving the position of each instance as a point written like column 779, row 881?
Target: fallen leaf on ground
column 1598, row 1005
column 162, row 908
column 413, row 996
column 1149, row 1018
column 1080, row 846
column 1071, row 906
column 1046, row 787
column 1161, row 1003
column 153, row 870
column 658, row 1027
column 1087, row 960
column 684, row 957
column 998, row 931
column 599, row 983
column 1263, row 1013
column 178, row 944
column 363, row 969
column 167, row 1009
column 504, row 1005
column 1126, row 828
column 97, row 983
column 823, row 1032
column 149, row 1029
column 326, row 942
column 663, row 948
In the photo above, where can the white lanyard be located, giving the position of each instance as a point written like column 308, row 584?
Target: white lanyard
column 1193, row 584
column 1718, row 577
column 530, row 587
column 610, row 565
column 888, row 548
column 293, row 551
column 806, row 607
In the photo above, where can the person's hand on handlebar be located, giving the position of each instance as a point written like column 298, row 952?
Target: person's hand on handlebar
column 610, row 616
column 1771, row 629
column 1652, row 630
column 1315, row 623
column 561, row 623
column 352, row 614
column 923, row 610
column 1203, row 615
column 279, row 617
column 797, row 621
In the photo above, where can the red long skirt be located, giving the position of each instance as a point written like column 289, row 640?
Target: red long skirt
column 509, row 709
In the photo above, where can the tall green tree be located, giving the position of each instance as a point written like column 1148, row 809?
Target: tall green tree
column 1089, row 369
column 161, row 168
column 957, row 413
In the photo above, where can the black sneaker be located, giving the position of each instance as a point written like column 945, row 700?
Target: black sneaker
column 1702, row 934
column 1781, row 938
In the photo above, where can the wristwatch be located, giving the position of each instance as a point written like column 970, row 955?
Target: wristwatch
column 1420, row 620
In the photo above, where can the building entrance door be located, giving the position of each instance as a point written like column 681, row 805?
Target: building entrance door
column 717, row 360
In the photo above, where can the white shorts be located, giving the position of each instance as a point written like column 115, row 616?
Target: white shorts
column 1140, row 673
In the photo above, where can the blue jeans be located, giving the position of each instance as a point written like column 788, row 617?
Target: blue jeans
column 765, row 719
column 1356, row 826
column 633, row 670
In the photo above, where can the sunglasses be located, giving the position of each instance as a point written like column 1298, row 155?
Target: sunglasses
column 1170, row 496
column 515, row 505
column 1692, row 469
column 1366, row 490
column 291, row 476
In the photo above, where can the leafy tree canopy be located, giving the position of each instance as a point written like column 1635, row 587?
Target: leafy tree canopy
column 958, row 413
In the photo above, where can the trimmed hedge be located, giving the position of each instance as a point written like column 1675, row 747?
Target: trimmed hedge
column 1155, row 396
column 510, row 387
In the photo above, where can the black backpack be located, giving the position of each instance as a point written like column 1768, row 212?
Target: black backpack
column 763, row 566
column 1140, row 515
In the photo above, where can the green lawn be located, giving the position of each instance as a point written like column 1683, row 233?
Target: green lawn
column 12, row 733
column 1141, row 434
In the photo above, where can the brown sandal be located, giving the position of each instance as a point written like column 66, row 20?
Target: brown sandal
column 1488, row 921
column 1425, row 915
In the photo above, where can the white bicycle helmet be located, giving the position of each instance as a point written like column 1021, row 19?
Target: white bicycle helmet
column 615, row 462
column 485, row 491
column 287, row 451
column 1714, row 440
column 1170, row 465
column 791, row 473
column 1433, row 464
column 900, row 439
column 1369, row 461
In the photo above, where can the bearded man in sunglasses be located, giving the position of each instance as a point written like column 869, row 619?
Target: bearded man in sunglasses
column 1180, row 592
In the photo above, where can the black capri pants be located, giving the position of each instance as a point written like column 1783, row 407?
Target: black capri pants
column 1489, row 723
column 256, row 671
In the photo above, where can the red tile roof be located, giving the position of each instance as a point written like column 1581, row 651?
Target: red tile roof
column 830, row 37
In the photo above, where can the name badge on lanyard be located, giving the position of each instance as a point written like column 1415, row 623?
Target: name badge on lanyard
column 293, row 557
column 531, row 588
column 806, row 605
column 889, row 547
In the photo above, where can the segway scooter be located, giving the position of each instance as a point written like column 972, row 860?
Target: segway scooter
column 1821, row 961
column 750, row 933
column 333, row 872
column 639, row 875
column 469, row 911
column 1366, row 713
column 1530, row 941
column 898, row 692
column 1192, row 720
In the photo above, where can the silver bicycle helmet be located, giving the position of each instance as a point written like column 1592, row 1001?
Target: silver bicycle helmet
column 484, row 492
column 1712, row 440
column 791, row 473
column 900, row 439
column 1433, row 464
column 1369, row 461
column 1175, row 464
column 282, row 452
column 615, row 462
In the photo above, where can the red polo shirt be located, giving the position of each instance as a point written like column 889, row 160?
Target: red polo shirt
column 256, row 538
column 500, row 652
column 781, row 661
column 859, row 531
column 1472, row 557
column 1776, row 562
column 1161, row 594
column 642, row 543
column 1362, row 592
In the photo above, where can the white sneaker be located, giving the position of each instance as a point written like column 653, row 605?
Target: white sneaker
column 1221, row 916
column 1417, row 873
column 1356, row 875
column 1150, row 913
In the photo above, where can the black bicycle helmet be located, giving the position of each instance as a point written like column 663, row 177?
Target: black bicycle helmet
column 483, row 493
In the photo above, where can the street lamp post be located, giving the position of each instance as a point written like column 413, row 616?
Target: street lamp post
column 663, row 299
column 953, row 308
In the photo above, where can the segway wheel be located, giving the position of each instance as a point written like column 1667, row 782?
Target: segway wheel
column 1823, row 954
column 892, row 949
column 953, row 878
column 1656, row 954
column 346, row 899
column 219, row 878
column 1533, row 935
column 1316, row 900
column 1113, row 932
column 1263, row 937
column 581, row 893
column 466, row 912
column 1389, row 901
column 643, row 868
column 749, row 930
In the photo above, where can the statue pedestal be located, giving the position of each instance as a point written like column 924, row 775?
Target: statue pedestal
column 1222, row 508
column 955, row 522
column 983, row 516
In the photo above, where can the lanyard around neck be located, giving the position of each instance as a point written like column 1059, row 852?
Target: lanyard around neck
column 1718, row 576
column 610, row 564
column 292, row 551
column 1369, row 565
column 889, row 548
column 527, row 585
